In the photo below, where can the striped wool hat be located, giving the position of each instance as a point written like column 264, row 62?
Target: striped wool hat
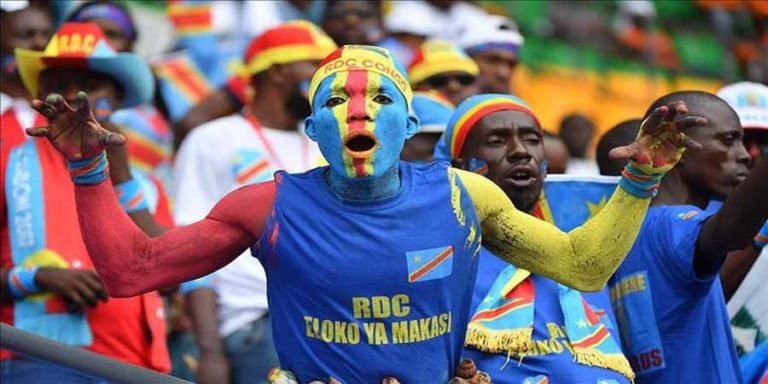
column 471, row 110
column 438, row 56
column 362, row 57
column 287, row 43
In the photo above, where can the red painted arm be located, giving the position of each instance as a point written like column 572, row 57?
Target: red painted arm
column 130, row 262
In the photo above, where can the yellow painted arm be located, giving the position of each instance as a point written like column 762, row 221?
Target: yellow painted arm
column 584, row 258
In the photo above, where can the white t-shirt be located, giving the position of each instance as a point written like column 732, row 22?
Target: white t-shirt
column 213, row 160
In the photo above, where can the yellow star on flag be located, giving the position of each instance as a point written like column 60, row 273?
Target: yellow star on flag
column 581, row 323
column 595, row 208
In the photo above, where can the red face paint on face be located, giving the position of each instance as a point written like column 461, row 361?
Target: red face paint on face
column 358, row 143
column 362, row 121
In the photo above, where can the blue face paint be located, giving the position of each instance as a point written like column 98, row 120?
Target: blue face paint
column 363, row 130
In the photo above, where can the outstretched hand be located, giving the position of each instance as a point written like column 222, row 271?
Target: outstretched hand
column 661, row 140
column 73, row 131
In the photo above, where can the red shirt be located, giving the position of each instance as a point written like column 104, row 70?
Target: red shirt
column 131, row 330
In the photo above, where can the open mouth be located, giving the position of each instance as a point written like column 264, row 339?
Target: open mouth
column 361, row 144
column 521, row 177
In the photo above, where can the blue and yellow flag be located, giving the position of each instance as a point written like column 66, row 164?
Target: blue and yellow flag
column 503, row 322
column 568, row 200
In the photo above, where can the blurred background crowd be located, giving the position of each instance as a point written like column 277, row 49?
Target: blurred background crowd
column 584, row 67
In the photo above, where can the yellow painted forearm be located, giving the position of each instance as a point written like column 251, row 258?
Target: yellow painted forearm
column 584, row 258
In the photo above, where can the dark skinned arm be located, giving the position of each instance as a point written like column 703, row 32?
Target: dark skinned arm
column 734, row 226
column 735, row 269
column 119, row 172
column 213, row 365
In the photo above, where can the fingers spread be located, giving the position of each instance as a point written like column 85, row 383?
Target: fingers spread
column 107, row 138
column 58, row 102
column 690, row 121
column 690, row 143
column 654, row 119
column 44, row 109
column 38, row 131
column 83, row 104
column 624, row 152
column 675, row 108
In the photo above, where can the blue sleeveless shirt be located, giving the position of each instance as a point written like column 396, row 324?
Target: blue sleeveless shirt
column 360, row 291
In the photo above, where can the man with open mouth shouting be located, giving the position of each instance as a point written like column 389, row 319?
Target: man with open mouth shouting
column 370, row 260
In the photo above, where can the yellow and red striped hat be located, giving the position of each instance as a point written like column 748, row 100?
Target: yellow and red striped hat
column 438, row 56
column 471, row 110
column 287, row 43
column 366, row 58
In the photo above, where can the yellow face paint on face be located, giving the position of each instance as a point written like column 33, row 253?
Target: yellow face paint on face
column 361, row 121
column 356, row 118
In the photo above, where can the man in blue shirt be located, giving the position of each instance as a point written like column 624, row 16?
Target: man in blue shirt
column 667, row 296
column 544, row 338
column 357, row 291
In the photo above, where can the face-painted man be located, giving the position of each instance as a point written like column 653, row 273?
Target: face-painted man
column 352, row 231
column 245, row 148
column 442, row 66
column 505, row 144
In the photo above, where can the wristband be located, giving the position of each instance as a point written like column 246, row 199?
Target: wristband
column 130, row 196
column 89, row 171
column 638, row 183
column 21, row 281
column 762, row 238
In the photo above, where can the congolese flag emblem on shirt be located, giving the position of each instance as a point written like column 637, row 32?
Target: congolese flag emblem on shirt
column 429, row 264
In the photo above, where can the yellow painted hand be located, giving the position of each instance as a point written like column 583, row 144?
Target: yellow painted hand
column 661, row 140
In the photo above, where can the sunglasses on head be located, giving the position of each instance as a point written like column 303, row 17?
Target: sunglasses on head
column 439, row 81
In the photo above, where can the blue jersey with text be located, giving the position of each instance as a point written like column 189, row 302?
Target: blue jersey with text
column 360, row 291
column 550, row 359
column 673, row 323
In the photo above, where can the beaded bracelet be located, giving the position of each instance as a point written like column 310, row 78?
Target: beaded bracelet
column 21, row 281
column 89, row 171
column 130, row 196
column 639, row 183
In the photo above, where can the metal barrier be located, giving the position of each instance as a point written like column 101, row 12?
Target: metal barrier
column 79, row 359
